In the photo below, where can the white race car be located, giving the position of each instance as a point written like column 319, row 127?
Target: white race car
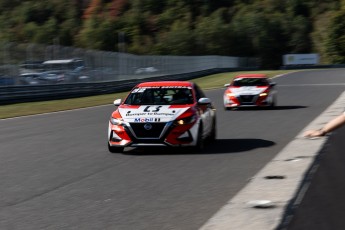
column 249, row 90
column 162, row 113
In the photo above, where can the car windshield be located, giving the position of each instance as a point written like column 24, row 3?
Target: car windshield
column 250, row 82
column 160, row 96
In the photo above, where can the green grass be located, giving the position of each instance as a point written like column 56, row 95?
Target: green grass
column 218, row 80
column 30, row 108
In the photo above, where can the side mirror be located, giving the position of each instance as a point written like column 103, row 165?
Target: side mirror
column 226, row 85
column 204, row 101
column 117, row 102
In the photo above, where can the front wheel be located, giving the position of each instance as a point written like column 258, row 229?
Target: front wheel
column 200, row 142
column 273, row 103
column 213, row 134
column 114, row 149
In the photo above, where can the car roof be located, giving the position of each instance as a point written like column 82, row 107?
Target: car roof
column 252, row 75
column 165, row 83
column 61, row 61
column 29, row 74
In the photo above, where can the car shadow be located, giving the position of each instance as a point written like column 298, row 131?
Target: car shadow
column 236, row 145
column 281, row 107
column 219, row 146
column 288, row 107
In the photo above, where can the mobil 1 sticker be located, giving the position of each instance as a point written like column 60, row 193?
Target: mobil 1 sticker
column 146, row 119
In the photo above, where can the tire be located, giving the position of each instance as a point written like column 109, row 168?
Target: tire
column 114, row 149
column 199, row 147
column 231, row 108
column 213, row 133
column 274, row 103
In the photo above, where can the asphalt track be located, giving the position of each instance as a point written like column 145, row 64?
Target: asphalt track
column 56, row 173
column 323, row 205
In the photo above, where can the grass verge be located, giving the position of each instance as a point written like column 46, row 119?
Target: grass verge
column 30, row 108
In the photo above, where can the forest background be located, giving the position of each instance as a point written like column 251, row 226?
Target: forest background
column 266, row 29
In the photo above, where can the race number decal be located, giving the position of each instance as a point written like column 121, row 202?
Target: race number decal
column 152, row 109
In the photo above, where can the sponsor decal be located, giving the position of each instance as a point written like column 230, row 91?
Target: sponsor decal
column 164, row 113
column 151, row 111
column 150, row 114
column 154, row 108
column 150, row 119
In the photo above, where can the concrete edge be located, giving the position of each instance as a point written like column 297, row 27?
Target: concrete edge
column 266, row 201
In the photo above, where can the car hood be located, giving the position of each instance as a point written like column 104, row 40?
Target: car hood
column 248, row 90
column 151, row 113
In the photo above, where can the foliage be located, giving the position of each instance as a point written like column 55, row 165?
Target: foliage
column 258, row 28
column 336, row 39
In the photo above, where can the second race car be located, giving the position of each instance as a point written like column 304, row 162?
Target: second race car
column 248, row 90
column 162, row 113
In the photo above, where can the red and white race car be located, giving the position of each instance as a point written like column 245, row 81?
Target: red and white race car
column 248, row 90
column 162, row 113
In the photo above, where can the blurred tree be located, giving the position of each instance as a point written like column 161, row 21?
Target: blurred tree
column 8, row 5
column 97, row 34
column 213, row 35
column 94, row 9
column 30, row 30
column 179, row 40
column 261, row 28
column 335, row 45
column 299, row 29
column 319, row 36
column 297, row 7
column 31, row 21
column 117, row 7
column 133, row 25
column 48, row 32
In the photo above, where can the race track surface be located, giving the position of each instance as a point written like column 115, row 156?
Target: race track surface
column 56, row 172
column 323, row 205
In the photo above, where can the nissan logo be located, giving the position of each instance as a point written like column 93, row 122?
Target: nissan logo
column 148, row 126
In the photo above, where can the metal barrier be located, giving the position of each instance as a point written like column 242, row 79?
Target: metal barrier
column 31, row 72
column 18, row 94
column 27, row 64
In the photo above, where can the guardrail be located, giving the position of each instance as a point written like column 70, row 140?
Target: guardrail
column 289, row 67
column 18, row 94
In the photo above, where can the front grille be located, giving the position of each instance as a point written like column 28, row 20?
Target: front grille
column 141, row 132
column 248, row 99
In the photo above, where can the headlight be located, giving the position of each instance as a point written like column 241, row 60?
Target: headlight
column 230, row 94
column 263, row 94
column 115, row 121
column 186, row 120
